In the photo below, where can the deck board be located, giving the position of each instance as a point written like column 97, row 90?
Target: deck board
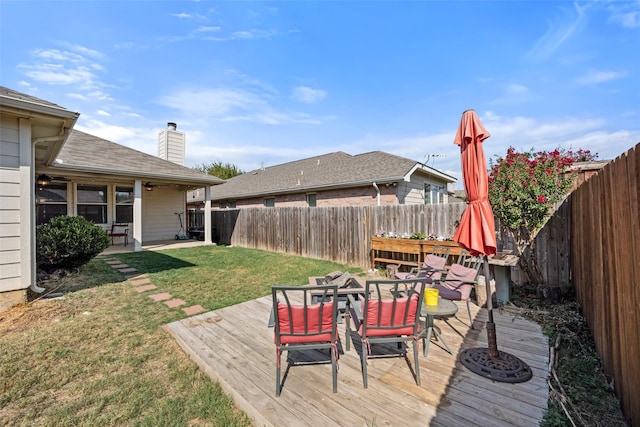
column 234, row 346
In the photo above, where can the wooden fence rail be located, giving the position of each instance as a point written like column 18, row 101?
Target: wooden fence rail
column 605, row 268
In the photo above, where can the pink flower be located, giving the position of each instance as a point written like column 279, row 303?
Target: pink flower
column 542, row 199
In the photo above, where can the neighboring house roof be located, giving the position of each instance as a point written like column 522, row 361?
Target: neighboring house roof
column 89, row 154
column 333, row 170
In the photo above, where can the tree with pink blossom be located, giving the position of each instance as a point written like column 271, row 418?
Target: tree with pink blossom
column 524, row 190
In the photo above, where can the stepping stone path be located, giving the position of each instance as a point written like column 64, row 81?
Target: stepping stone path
column 141, row 283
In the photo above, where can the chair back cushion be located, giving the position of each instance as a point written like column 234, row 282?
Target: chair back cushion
column 432, row 266
column 383, row 320
column 306, row 324
column 456, row 285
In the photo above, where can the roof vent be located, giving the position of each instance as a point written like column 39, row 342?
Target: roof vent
column 172, row 126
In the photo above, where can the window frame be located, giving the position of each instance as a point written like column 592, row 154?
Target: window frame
column 313, row 196
column 42, row 202
column 119, row 204
column 104, row 205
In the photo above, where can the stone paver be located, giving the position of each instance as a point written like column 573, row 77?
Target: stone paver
column 127, row 270
column 113, row 261
column 119, row 265
column 135, row 276
column 194, row 309
column 141, row 281
column 160, row 297
column 174, row 303
column 145, row 288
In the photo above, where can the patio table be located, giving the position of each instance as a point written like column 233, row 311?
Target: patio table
column 444, row 308
column 356, row 290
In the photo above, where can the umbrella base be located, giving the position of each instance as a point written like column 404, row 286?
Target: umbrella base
column 505, row 368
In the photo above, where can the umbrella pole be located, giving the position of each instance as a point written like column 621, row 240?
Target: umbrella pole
column 491, row 327
column 489, row 362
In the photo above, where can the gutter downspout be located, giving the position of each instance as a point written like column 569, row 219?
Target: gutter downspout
column 377, row 193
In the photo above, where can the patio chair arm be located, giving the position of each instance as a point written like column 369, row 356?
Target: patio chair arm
column 444, row 279
column 355, row 307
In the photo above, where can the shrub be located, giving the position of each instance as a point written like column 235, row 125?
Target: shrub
column 68, row 242
column 524, row 189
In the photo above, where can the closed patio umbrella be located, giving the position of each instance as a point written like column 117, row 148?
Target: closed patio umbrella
column 476, row 233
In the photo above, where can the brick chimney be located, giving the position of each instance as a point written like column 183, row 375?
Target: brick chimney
column 171, row 144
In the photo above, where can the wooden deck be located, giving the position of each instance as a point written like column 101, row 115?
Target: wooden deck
column 235, row 347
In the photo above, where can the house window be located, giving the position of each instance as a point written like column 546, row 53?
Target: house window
column 124, row 204
column 222, row 205
column 92, row 203
column 311, row 200
column 51, row 201
column 434, row 194
column 232, row 204
column 270, row 202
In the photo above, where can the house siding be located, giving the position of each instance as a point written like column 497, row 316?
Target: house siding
column 359, row 196
column 13, row 279
column 159, row 208
column 171, row 145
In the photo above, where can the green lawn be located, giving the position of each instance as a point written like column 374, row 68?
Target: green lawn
column 99, row 355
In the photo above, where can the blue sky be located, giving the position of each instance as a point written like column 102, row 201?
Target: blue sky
column 254, row 83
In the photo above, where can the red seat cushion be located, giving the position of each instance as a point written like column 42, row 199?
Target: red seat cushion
column 321, row 332
column 392, row 326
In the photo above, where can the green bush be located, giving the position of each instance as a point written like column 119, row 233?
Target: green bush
column 68, row 242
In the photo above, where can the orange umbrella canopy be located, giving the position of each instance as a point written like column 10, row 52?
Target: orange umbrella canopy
column 476, row 231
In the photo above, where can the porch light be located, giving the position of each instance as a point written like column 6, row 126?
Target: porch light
column 148, row 186
column 43, row 180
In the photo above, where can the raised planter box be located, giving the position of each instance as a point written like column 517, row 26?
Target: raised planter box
column 409, row 252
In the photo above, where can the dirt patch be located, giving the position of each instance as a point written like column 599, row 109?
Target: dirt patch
column 27, row 316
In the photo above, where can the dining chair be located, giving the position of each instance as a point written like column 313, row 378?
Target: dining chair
column 300, row 325
column 387, row 315
column 459, row 279
column 432, row 265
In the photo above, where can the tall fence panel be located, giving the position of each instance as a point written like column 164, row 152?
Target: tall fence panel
column 341, row 234
column 605, row 268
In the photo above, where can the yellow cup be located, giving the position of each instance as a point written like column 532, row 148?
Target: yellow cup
column 431, row 296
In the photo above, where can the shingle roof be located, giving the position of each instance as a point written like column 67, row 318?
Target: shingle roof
column 10, row 93
column 89, row 153
column 331, row 170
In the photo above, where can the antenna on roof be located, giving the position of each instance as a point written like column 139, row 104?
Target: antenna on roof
column 428, row 157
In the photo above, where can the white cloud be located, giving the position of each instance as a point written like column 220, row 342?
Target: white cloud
column 558, row 33
column 630, row 20
column 595, row 77
column 207, row 29
column 308, row 95
column 231, row 105
column 141, row 139
column 515, row 88
column 57, row 74
column 247, row 35
column 103, row 113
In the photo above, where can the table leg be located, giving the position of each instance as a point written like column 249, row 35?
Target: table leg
column 431, row 328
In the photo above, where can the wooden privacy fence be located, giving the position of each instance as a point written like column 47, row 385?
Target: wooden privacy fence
column 605, row 267
column 341, row 234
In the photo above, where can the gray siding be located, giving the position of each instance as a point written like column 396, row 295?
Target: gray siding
column 10, row 242
column 159, row 220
